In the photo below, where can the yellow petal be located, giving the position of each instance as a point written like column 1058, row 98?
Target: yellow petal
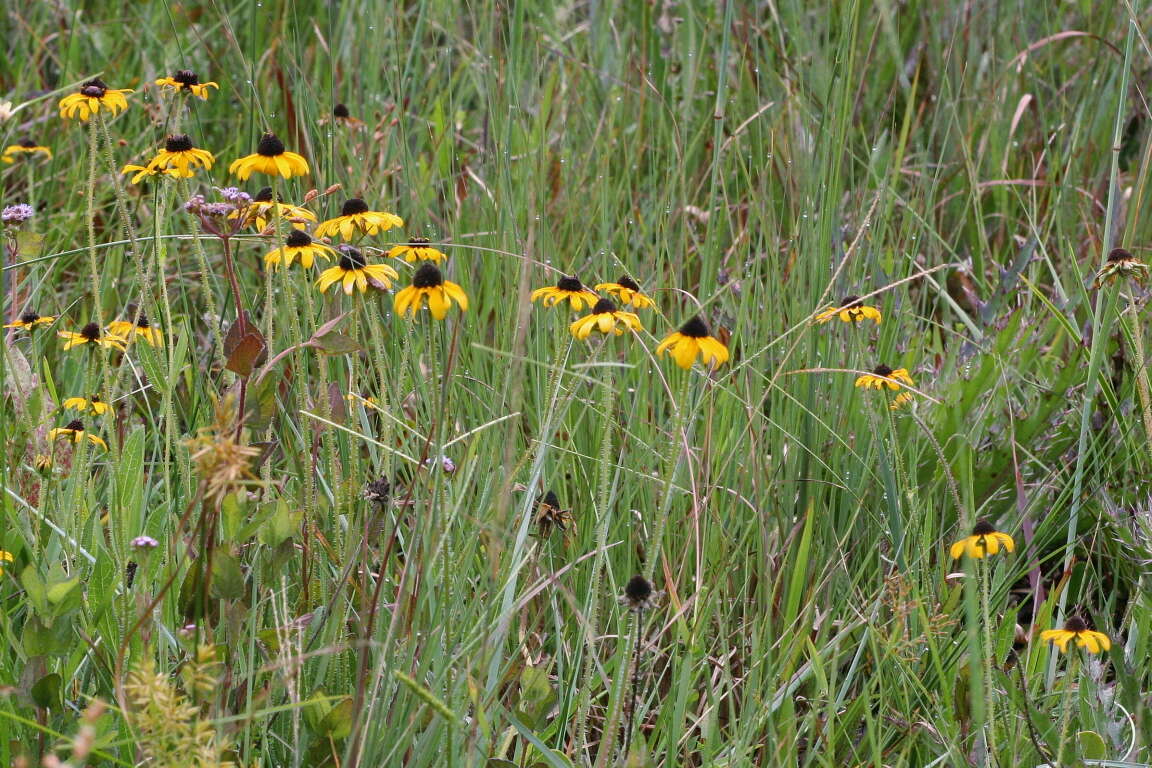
column 684, row 353
column 457, row 294
column 438, row 303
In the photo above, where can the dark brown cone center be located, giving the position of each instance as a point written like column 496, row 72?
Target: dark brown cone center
column 695, row 328
column 638, row 589
column 428, row 276
column 354, row 206
column 270, row 146
column 351, row 259
column 178, row 143
column 298, row 239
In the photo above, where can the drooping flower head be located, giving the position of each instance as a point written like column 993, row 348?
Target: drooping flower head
column 354, row 274
column 607, row 318
column 429, row 287
column 129, row 329
column 270, row 158
column 549, row 516
column 261, row 209
column 1121, row 263
column 691, row 341
column 30, row 320
column 1075, row 628
column 984, row 541
column 639, row 595
column 91, row 334
column 850, row 310
column 179, row 153
column 567, row 288
column 340, row 114
column 141, row 172
column 186, row 81
column 97, row 406
column 356, row 218
column 74, row 431
column 627, row 291
column 25, row 148
column 417, row 249
column 93, row 96
column 883, row 376
column 298, row 245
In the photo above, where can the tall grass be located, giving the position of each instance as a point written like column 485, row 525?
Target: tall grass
column 968, row 169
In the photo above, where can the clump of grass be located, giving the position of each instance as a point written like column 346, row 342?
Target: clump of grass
column 766, row 305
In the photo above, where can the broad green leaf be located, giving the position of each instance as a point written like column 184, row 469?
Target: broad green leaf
column 46, row 691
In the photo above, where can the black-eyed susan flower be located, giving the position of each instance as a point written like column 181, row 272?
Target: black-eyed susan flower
column 179, row 153
column 1076, row 629
column 141, row 327
column 340, row 114
column 298, row 245
column 639, row 595
column 1121, row 263
column 550, row 516
column 691, row 341
column 91, row 334
column 429, row 286
column 141, row 172
column 93, row 96
column 186, row 81
column 5, row 557
column 355, row 274
column 850, row 310
column 74, row 431
column 883, row 376
column 607, row 318
column 356, row 218
column 568, row 287
column 984, row 541
column 378, row 491
column 627, row 291
column 25, row 148
column 271, row 158
column 30, row 320
column 98, row 406
column 261, row 210
column 417, row 249
column 43, row 462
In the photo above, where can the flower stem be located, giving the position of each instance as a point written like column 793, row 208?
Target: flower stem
column 1141, row 368
column 1071, row 683
column 671, row 463
column 90, row 216
column 989, row 652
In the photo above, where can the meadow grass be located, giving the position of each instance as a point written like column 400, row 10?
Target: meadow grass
column 965, row 169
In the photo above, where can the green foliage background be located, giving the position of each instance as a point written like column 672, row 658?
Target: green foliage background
column 967, row 167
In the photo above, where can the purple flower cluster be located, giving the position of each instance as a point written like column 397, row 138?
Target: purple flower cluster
column 15, row 215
